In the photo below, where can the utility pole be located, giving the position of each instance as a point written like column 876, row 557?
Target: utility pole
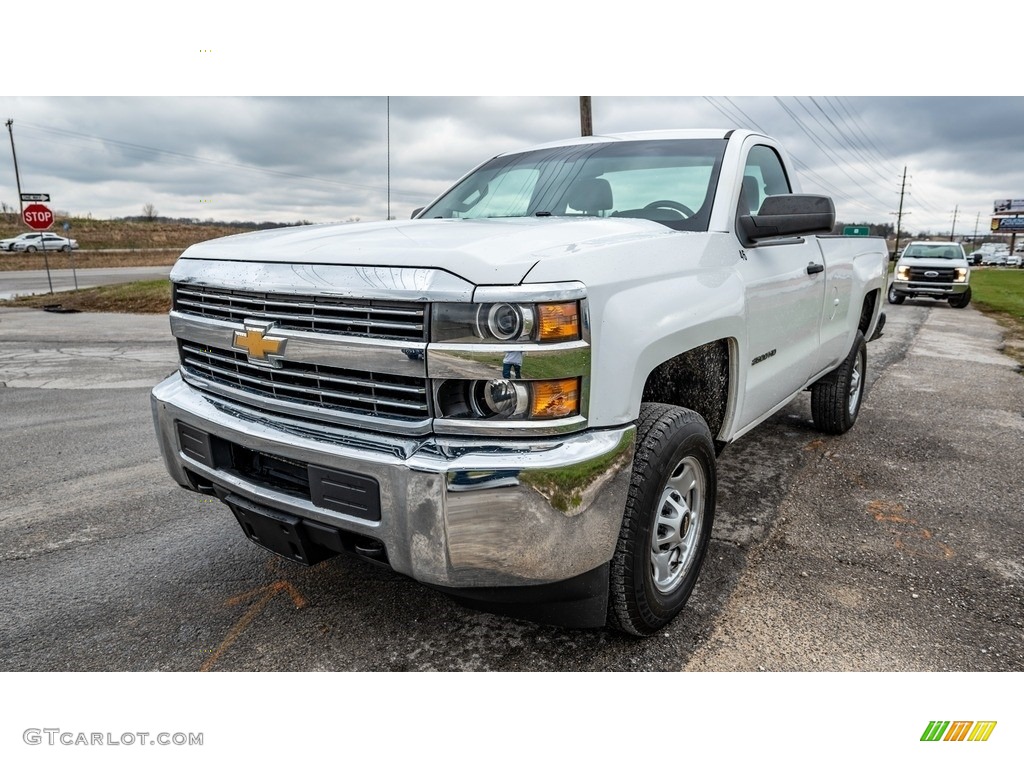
column 974, row 240
column 388, row 103
column 899, row 216
column 17, row 178
column 952, row 231
column 586, row 117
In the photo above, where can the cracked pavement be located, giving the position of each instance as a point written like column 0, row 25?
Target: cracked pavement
column 895, row 547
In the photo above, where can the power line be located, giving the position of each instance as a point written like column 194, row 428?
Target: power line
column 818, row 143
column 803, row 167
column 857, row 123
column 832, row 139
column 846, row 140
column 858, row 135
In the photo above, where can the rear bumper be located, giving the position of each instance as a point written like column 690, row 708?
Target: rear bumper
column 454, row 513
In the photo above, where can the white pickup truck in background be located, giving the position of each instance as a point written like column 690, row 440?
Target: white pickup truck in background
column 518, row 396
column 933, row 270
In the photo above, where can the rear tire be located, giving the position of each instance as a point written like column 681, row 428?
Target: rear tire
column 961, row 301
column 666, row 526
column 836, row 398
column 30, row 249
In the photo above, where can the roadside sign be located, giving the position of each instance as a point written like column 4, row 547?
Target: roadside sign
column 1009, row 224
column 38, row 216
column 857, row 231
column 34, row 197
column 1008, row 206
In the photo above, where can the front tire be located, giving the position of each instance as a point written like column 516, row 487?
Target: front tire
column 836, row 398
column 30, row 249
column 895, row 298
column 666, row 527
column 961, row 301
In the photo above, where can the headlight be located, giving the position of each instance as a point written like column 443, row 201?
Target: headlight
column 961, row 275
column 902, row 273
column 506, row 322
column 507, row 399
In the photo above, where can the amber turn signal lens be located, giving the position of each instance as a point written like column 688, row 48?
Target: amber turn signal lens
column 555, row 399
column 558, row 322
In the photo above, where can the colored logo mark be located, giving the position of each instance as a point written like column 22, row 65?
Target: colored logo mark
column 958, row 730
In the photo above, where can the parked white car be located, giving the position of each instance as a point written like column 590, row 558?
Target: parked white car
column 43, row 241
column 8, row 243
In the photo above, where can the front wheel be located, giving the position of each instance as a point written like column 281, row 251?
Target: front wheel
column 961, row 301
column 836, row 398
column 667, row 522
column 895, row 298
column 31, row 249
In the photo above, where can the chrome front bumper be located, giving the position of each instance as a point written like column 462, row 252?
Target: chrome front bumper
column 454, row 512
column 910, row 288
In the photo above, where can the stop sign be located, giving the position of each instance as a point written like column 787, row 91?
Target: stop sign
column 37, row 216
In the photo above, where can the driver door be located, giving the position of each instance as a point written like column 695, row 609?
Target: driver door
column 784, row 283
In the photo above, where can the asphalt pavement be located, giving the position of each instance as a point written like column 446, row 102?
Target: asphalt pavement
column 895, row 547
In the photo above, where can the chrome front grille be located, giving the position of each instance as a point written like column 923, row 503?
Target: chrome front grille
column 320, row 314
column 306, row 385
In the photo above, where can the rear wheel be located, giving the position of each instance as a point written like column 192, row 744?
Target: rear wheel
column 961, row 301
column 667, row 522
column 836, row 398
column 31, row 249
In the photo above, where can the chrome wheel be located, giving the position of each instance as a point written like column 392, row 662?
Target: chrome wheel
column 677, row 527
column 855, row 382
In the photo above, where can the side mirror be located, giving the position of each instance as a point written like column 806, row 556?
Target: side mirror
column 788, row 215
column 417, row 212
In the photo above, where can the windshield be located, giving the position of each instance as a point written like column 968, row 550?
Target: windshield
column 671, row 182
column 936, row 251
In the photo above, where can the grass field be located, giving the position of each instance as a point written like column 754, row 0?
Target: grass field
column 999, row 290
column 1000, row 293
column 14, row 262
column 143, row 297
column 143, row 243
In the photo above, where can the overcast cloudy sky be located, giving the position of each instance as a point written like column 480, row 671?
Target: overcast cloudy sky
column 326, row 158
column 158, row 123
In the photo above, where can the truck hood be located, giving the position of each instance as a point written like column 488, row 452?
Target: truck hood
column 482, row 251
column 933, row 263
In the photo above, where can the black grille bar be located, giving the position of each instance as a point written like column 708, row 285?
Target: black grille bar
column 943, row 274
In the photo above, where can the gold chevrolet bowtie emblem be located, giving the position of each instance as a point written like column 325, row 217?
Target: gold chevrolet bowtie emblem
column 255, row 342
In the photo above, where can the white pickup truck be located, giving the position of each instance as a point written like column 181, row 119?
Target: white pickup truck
column 518, row 396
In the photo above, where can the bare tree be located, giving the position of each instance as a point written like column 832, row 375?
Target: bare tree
column 149, row 211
